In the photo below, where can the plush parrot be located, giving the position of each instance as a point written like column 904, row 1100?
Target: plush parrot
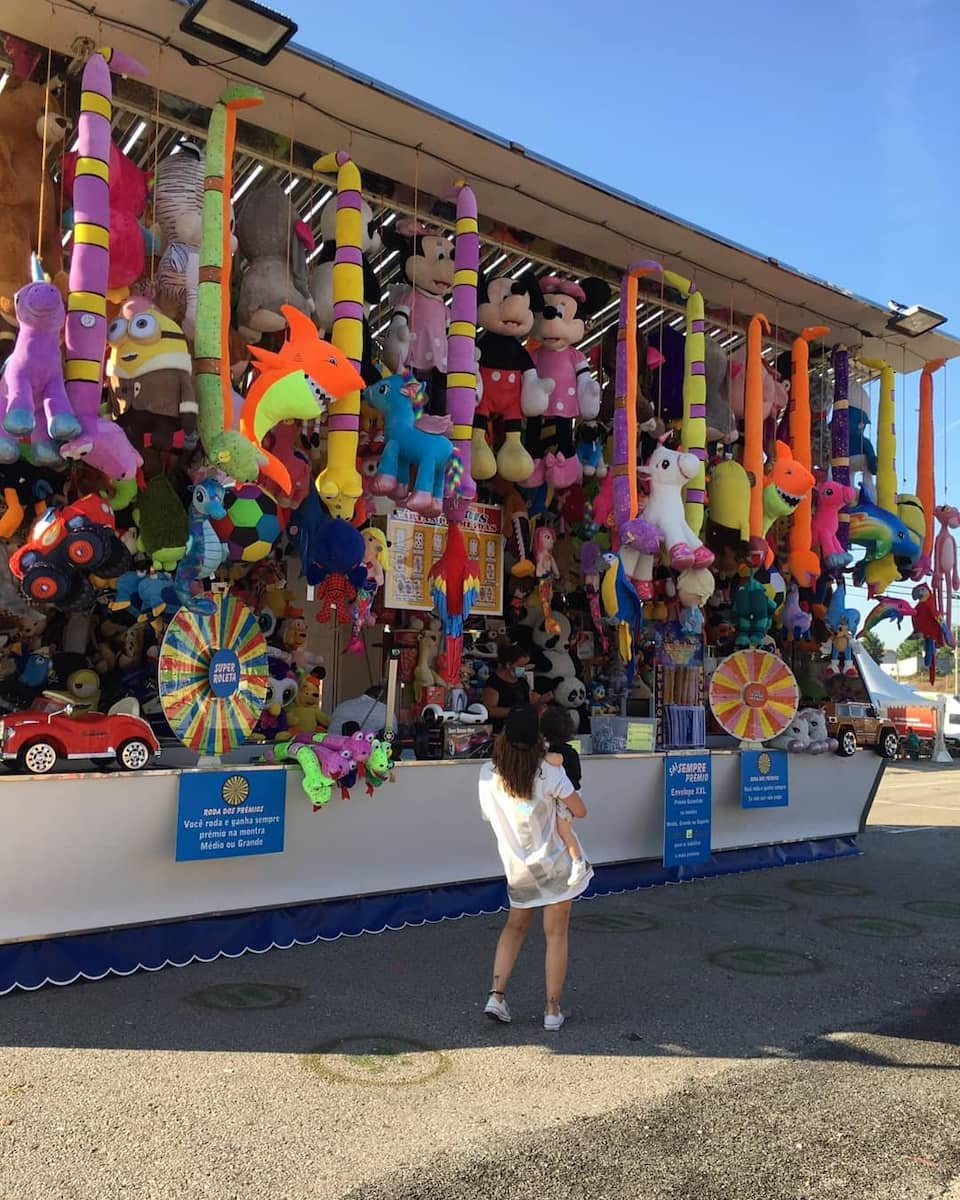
column 621, row 603
column 929, row 625
column 454, row 587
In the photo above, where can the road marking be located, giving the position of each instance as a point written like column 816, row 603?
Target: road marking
column 922, row 804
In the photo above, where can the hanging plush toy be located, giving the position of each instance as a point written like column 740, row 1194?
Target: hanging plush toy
column 30, row 122
column 729, row 506
column 271, row 239
column 831, row 498
column 101, row 442
column 946, row 577
column 547, row 571
column 454, row 587
column 926, row 477
column 376, row 562
column 460, row 488
column 416, row 338
column 880, row 572
column 151, row 372
column 178, row 203
column 590, row 570
column 804, row 564
column 33, row 396
column 205, row 552
column 795, row 620
column 753, row 609
column 667, row 472
column 337, row 570
column 129, row 188
column 512, row 389
column 841, row 644
column 785, row 486
column 575, row 394
column 415, row 442
column 929, row 625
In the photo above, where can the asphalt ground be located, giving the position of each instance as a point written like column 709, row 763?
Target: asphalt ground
column 790, row 1033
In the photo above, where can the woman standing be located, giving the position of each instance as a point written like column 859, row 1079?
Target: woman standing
column 508, row 687
column 519, row 793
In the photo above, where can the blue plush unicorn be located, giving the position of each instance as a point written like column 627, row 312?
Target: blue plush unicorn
column 412, row 440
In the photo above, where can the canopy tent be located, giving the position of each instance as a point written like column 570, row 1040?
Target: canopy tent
column 321, row 104
column 882, row 688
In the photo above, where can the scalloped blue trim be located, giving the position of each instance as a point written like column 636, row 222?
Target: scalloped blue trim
column 91, row 956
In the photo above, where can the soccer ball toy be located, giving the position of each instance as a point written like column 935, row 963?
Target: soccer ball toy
column 251, row 526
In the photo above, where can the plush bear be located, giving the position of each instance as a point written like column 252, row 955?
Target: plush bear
column 648, row 359
column 721, row 423
column 416, row 337
column 776, row 395
column 274, row 242
column 321, row 279
column 506, row 310
column 22, row 108
column 129, row 188
column 575, row 393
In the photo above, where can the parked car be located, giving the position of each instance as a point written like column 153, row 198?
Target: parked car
column 856, row 724
column 34, row 740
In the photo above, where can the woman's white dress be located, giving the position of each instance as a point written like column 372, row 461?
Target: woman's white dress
column 535, row 860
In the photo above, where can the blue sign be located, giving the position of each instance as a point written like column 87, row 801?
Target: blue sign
column 230, row 814
column 764, row 779
column 224, row 673
column 687, row 798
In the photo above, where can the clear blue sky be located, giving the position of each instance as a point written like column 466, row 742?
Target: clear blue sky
column 825, row 134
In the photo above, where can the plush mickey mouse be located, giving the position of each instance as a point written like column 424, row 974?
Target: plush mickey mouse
column 506, row 310
column 321, row 281
column 416, row 338
column 575, row 393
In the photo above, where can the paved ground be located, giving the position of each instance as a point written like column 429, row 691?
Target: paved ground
column 781, row 1034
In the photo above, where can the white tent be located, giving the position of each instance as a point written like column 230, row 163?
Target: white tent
column 882, row 688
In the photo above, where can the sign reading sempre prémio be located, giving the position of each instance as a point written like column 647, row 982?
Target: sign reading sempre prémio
column 687, row 800
column 230, row 814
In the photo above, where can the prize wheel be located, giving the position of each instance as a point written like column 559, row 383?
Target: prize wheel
column 213, row 676
column 754, row 695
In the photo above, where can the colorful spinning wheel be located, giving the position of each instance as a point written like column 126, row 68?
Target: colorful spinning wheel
column 213, row 676
column 754, row 695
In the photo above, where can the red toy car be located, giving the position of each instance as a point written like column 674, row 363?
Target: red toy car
column 64, row 546
column 33, row 740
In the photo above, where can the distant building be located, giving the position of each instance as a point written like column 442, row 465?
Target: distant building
column 902, row 668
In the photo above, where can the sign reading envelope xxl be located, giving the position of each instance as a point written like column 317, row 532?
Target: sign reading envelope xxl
column 687, row 800
column 417, row 542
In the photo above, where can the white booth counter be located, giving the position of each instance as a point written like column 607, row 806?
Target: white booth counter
column 94, row 855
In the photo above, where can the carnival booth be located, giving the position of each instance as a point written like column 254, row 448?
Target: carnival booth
column 313, row 402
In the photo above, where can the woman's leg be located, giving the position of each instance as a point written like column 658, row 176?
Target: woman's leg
column 556, row 921
column 508, row 947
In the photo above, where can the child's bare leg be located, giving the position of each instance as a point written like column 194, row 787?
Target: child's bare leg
column 569, row 838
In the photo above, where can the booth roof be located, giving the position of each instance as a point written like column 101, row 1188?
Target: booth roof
column 327, row 105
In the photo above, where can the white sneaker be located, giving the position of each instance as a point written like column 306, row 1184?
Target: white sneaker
column 553, row 1021
column 496, row 1009
column 578, row 872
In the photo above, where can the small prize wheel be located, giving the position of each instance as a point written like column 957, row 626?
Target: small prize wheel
column 754, row 695
column 213, row 676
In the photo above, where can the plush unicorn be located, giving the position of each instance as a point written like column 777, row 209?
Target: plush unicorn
column 668, row 472
column 830, row 497
column 411, row 441
column 796, row 622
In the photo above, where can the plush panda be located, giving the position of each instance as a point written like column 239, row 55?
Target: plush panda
column 568, row 690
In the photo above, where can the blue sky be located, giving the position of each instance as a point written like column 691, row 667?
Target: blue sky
column 822, row 134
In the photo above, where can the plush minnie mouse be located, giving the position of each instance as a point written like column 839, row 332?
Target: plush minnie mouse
column 506, row 310
column 416, row 338
column 575, row 392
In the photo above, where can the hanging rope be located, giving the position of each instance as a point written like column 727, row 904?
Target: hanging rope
column 43, row 152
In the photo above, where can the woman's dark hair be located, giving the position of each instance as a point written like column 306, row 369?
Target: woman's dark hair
column 517, row 766
column 556, row 725
column 508, row 654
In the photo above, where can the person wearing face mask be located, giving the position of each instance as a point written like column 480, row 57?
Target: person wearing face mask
column 507, row 687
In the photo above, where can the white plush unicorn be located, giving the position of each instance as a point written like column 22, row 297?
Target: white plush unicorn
column 668, row 472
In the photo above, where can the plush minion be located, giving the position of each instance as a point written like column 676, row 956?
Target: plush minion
column 151, row 374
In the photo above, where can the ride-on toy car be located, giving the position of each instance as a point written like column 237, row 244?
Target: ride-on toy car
column 856, row 724
column 64, row 547
column 33, row 740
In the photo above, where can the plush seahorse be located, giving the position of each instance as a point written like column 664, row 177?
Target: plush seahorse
column 461, row 354
column 693, row 428
column 926, row 476
column 880, row 573
column 340, row 484
column 840, row 434
column 101, row 442
column 225, row 447
column 804, row 564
